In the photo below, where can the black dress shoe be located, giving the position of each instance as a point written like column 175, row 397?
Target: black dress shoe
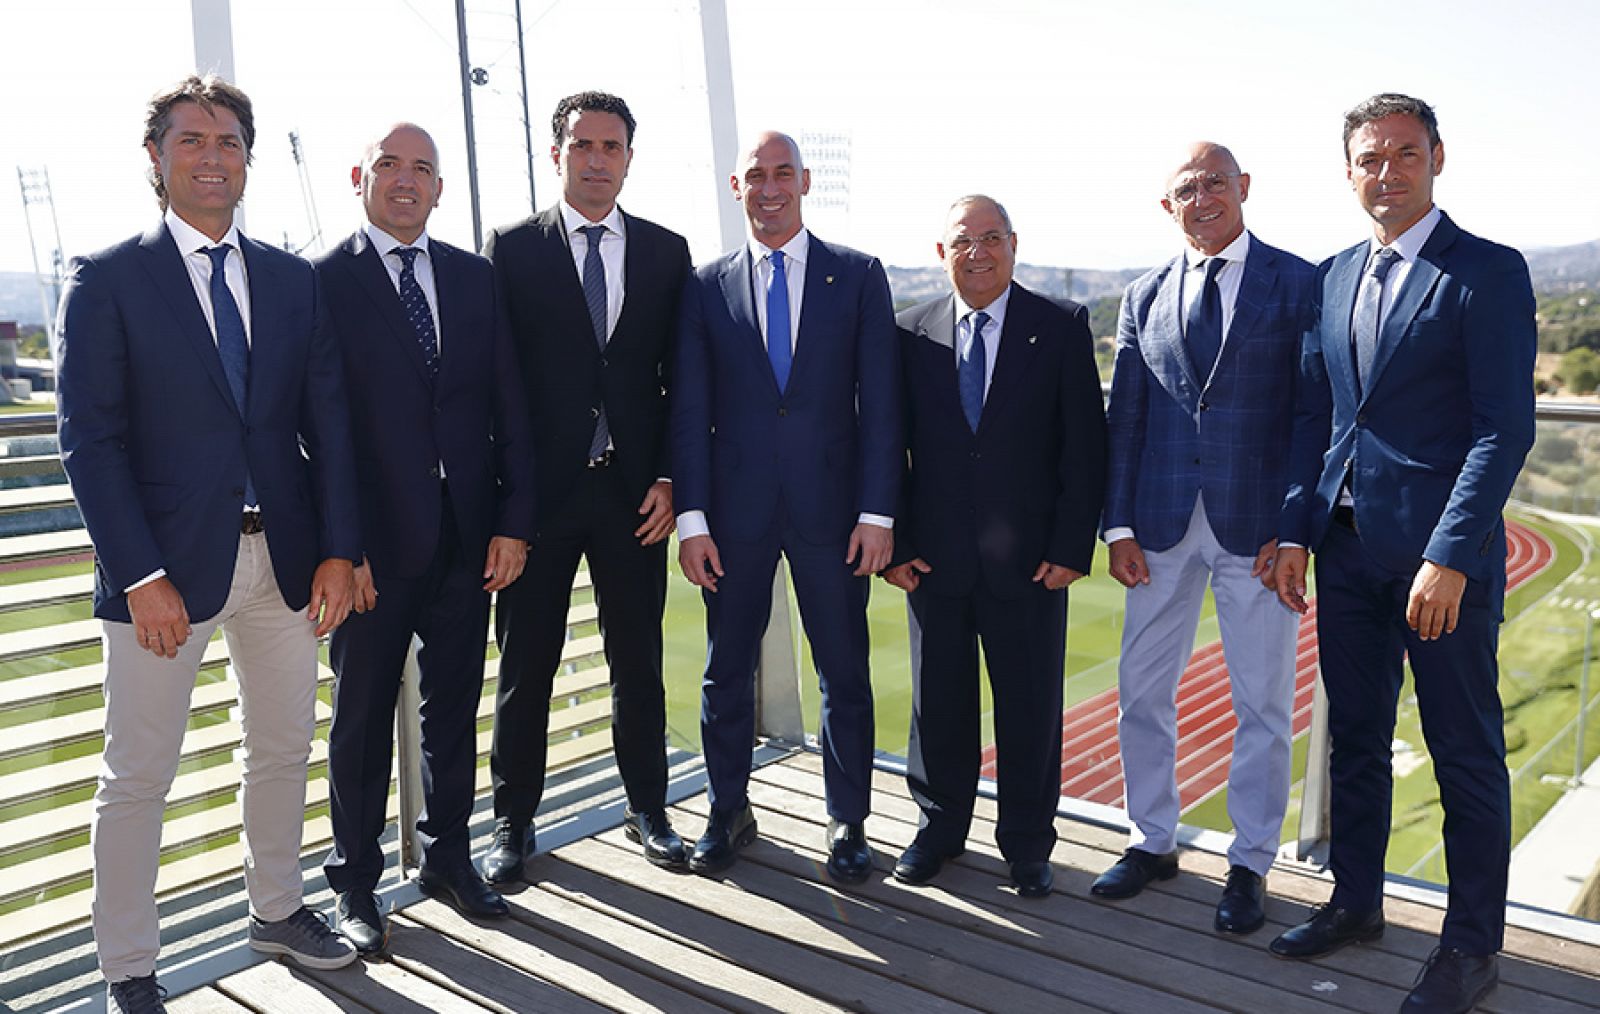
column 361, row 922
column 1032, row 878
column 849, row 855
column 1452, row 983
column 653, row 830
column 1135, row 869
column 1240, row 909
column 726, row 833
column 460, row 885
column 919, row 864
column 1326, row 931
column 513, row 843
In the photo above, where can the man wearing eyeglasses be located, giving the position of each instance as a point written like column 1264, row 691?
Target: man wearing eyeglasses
column 1415, row 414
column 1007, row 469
column 1200, row 411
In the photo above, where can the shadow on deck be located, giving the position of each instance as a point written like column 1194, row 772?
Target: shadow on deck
column 599, row 929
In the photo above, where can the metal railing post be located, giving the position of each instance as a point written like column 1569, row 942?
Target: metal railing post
column 1315, row 789
column 408, row 753
column 778, row 714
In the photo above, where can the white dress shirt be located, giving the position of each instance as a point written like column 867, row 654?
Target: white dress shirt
column 613, row 254
column 966, row 324
column 693, row 523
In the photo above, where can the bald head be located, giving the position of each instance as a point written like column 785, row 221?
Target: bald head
column 398, row 181
column 1205, row 195
column 769, row 181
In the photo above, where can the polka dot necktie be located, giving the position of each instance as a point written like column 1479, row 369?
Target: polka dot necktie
column 415, row 304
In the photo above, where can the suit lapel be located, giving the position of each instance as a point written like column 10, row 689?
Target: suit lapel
column 1164, row 349
column 737, row 281
column 446, row 284
column 821, row 268
column 370, row 271
column 636, row 264
column 1260, row 272
column 267, row 346
column 1418, row 286
column 1019, row 345
column 1339, row 297
column 171, row 278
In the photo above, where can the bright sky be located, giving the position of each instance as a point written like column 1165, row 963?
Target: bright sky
column 1070, row 113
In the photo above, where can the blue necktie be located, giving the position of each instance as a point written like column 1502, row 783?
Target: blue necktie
column 415, row 304
column 970, row 369
column 1369, row 300
column 778, row 351
column 594, row 293
column 233, row 347
column 1203, row 329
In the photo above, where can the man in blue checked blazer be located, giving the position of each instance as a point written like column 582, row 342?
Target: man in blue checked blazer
column 1201, row 401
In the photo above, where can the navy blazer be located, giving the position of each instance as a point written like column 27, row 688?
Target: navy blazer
column 1027, row 487
column 829, row 447
column 1175, row 434
column 471, row 417
column 1432, row 447
column 157, row 450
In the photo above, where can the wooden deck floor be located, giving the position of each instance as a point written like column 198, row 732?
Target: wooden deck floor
column 599, row 929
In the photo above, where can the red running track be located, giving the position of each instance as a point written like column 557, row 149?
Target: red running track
column 1091, row 768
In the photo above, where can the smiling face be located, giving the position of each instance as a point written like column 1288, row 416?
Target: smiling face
column 979, row 252
column 201, row 159
column 1391, row 168
column 398, row 182
column 770, row 183
column 1206, row 196
column 593, row 160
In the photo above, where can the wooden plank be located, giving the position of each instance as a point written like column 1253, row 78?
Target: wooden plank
column 823, row 919
column 45, row 640
column 30, row 464
column 688, row 950
column 58, row 684
column 205, row 1000
column 33, row 498
column 81, row 772
column 274, row 986
column 17, row 548
column 51, row 591
column 389, row 988
column 1189, row 962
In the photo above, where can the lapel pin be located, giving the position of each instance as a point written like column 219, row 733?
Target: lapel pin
column 829, row 279
column 1032, row 338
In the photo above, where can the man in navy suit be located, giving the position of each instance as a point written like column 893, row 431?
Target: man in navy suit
column 1201, row 403
column 1007, row 469
column 446, row 487
column 786, row 438
column 592, row 295
column 203, row 427
column 1415, row 411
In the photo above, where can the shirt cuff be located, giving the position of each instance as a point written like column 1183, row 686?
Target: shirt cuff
column 692, row 524
column 880, row 520
column 153, row 576
column 1118, row 534
column 1290, row 545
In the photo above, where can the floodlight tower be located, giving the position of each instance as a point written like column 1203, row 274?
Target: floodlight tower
column 35, row 184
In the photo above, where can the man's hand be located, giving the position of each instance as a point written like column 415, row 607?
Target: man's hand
column 1127, row 563
column 1266, row 556
column 333, row 591
column 657, row 510
column 1054, row 576
column 507, row 556
column 366, row 592
column 908, row 575
column 160, row 620
column 1289, row 573
column 1435, row 602
column 700, row 562
column 874, row 544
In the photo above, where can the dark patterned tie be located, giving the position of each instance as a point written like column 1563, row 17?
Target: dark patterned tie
column 1203, row 329
column 970, row 370
column 778, row 351
column 415, row 304
column 594, row 294
column 232, row 344
column 1364, row 327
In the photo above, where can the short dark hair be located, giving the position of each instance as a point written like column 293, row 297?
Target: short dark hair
column 589, row 102
column 1390, row 104
column 204, row 92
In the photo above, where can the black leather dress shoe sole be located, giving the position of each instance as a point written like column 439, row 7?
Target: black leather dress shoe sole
column 1322, row 935
column 1132, row 873
column 470, row 897
column 918, row 864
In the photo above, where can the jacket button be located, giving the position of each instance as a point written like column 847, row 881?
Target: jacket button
column 603, row 361
column 1361, row 418
column 1197, row 461
column 594, row 413
column 782, row 411
column 1204, row 406
column 433, row 471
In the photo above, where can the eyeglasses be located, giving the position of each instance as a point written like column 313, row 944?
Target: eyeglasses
column 964, row 244
column 1213, row 184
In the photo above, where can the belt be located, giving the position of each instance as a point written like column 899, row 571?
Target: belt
column 1345, row 517
column 250, row 523
column 602, row 461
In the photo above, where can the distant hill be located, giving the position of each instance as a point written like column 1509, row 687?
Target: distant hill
column 913, row 285
column 1565, row 268
column 19, row 298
